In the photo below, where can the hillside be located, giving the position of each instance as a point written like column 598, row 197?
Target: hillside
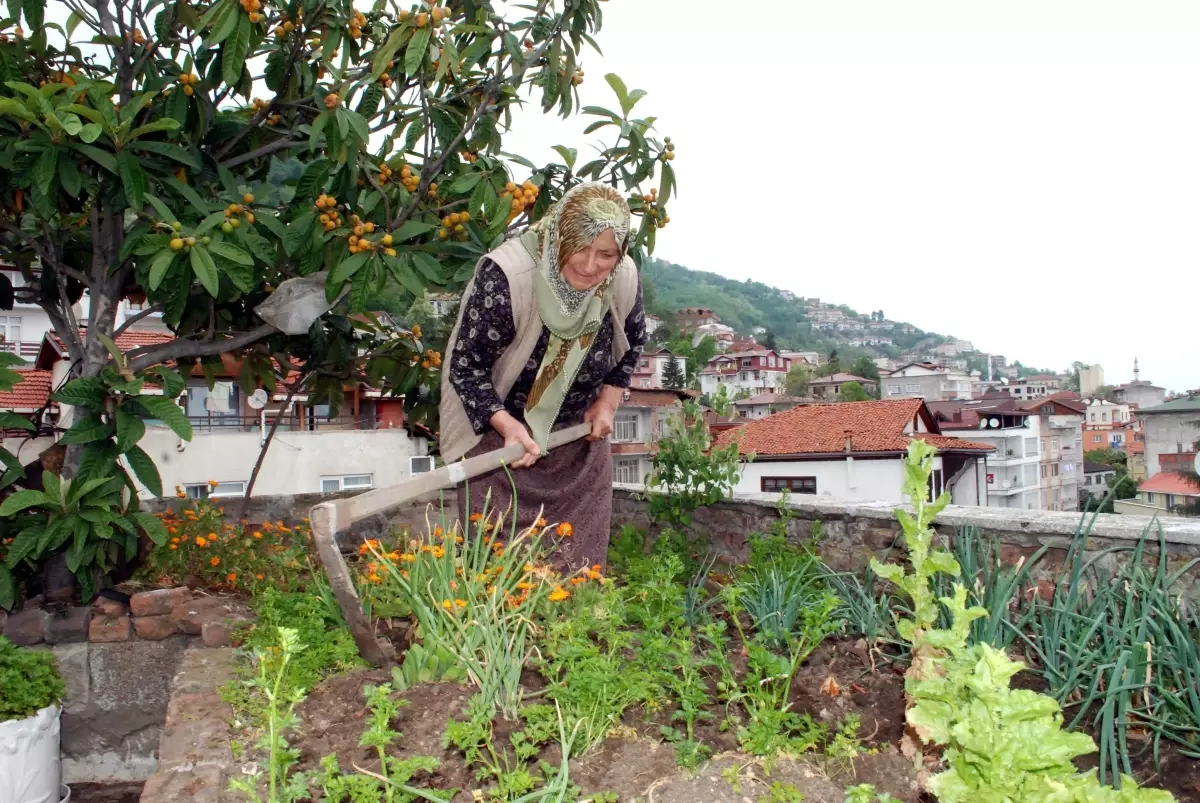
column 747, row 304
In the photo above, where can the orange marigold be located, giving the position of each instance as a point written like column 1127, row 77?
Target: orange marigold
column 257, row 534
column 258, row 576
column 214, row 561
column 559, row 594
column 201, row 541
column 476, row 516
column 566, row 530
column 231, row 577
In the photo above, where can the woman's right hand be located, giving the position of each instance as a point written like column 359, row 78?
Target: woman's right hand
column 513, row 431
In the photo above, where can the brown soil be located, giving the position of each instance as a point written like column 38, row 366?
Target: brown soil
column 115, row 792
column 875, row 695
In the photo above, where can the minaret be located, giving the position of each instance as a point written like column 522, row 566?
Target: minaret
column 1135, row 369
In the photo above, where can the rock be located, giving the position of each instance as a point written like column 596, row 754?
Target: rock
column 76, row 674
column 104, row 629
column 58, row 582
column 112, row 608
column 219, row 632
column 155, row 628
column 70, row 626
column 159, row 602
column 191, row 616
column 26, row 627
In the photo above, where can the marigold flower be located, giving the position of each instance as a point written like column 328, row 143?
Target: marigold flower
column 566, row 530
column 393, row 556
column 407, row 557
column 231, row 577
column 541, row 523
column 213, row 483
column 201, row 541
column 257, row 534
column 525, row 586
column 594, row 575
column 175, row 540
column 447, row 604
column 559, row 594
column 174, row 546
column 374, row 578
column 258, row 576
column 172, row 529
column 267, row 526
column 212, row 536
column 214, row 561
column 460, row 603
column 578, row 580
column 476, row 516
column 438, row 552
column 437, row 531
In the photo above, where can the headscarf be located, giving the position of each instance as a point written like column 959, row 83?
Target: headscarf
column 572, row 316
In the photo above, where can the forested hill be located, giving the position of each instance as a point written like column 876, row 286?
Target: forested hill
column 747, row 304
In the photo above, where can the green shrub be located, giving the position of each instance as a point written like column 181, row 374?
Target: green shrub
column 29, row 681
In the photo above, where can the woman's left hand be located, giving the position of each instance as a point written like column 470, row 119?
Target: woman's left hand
column 600, row 416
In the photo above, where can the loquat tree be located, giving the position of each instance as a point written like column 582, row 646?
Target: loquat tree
column 194, row 155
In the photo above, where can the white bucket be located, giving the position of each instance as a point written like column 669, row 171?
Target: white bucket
column 29, row 762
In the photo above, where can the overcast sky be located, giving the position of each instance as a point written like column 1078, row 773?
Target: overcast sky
column 1023, row 174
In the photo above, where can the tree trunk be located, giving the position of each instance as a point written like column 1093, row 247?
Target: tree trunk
column 262, row 453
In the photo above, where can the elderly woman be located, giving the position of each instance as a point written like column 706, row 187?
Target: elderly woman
column 548, row 334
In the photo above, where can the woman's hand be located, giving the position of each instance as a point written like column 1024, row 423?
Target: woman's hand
column 600, row 415
column 513, row 431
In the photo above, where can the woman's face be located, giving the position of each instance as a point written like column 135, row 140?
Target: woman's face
column 587, row 268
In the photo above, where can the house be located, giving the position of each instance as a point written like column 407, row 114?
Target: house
column 854, row 452
column 642, row 419
column 762, row 370
column 797, row 357
column 653, row 324
column 724, row 335
column 1139, row 393
column 366, row 444
column 23, row 327
column 29, row 399
column 830, row 387
column 928, row 381
column 442, row 303
column 1107, row 426
column 1025, row 389
column 689, row 319
column 765, row 404
column 1038, row 458
column 1096, row 477
column 1169, row 428
column 651, row 367
column 1164, row 494
column 1091, row 379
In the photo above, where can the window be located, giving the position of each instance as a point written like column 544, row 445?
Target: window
column 1043, row 471
column 643, row 363
column 893, row 390
column 1170, row 501
column 747, row 363
column 1031, row 447
column 912, row 387
column 217, row 407
column 1054, row 470
column 1097, row 438
column 625, row 427
column 1149, row 498
column 420, row 465
column 1104, row 416
column 798, row 485
column 625, row 471
column 1092, row 417
column 745, row 376
column 347, row 482
column 207, row 490
column 1054, row 444
column 10, row 328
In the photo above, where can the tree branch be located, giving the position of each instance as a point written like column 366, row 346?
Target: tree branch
column 44, row 255
column 131, row 320
column 265, row 150
column 146, row 356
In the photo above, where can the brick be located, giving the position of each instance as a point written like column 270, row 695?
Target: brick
column 155, row 628
column 69, row 627
column 159, row 602
column 218, row 632
column 113, row 609
column 104, row 629
column 26, row 628
column 191, row 616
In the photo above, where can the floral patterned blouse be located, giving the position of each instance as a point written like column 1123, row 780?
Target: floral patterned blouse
column 488, row 329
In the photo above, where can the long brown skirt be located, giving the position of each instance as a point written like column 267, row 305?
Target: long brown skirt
column 572, row 484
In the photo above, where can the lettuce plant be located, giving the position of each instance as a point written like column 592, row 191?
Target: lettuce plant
column 999, row 745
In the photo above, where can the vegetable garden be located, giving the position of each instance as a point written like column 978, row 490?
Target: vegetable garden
column 784, row 679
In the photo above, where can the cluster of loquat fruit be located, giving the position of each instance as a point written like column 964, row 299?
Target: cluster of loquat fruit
column 252, row 9
column 178, row 243
column 189, row 81
column 469, row 158
column 436, row 14
column 669, row 153
column 18, row 32
column 650, row 207
column 454, row 223
column 359, row 242
column 260, row 104
column 431, row 359
column 385, row 173
column 357, row 22
column 410, row 181
column 233, row 210
column 523, row 197
column 332, row 100
column 330, row 218
column 285, row 25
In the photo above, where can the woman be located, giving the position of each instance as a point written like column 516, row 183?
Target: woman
column 548, row 334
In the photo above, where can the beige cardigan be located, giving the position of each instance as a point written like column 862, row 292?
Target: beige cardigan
column 456, row 436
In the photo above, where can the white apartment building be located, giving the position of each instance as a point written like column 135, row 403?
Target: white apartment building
column 796, row 357
column 642, row 419
column 648, row 374
column 752, row 372
column 1038, row 461
column 1103, row 414
column 928, row 381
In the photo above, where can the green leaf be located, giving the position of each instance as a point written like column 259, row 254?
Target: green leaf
column 24, row 544
column 17, row 109
column 359, row 123
column 415, row 52
column 345, row 269
column 410, row 229
column 152, row 526
column 23, row 500
column 164, row 213
column 8, row 589
column 130, row 429
column 44, row 170
column 190, row 194
column 429, row 267
column 312, row 181
column 233, row 55
column 69, row 177
column 85, row 431
column 34, row 13
column 158, row 269
column 466, row 182
column 390, row 48
column 205, row 270
column 169, row 413
column 229, row 251
column 569, row 155
column 209, row 223
column 163, row 124
column 401, row 268
column 82, row 392
column 144, row 468
column 13, row 421
column 132, row 178
column 171, row 152
column 172, row 381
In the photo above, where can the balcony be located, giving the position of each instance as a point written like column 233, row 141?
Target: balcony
column 231, row 424
column 25, row 349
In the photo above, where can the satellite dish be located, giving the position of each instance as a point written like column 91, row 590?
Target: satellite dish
column 258, row 399
column 994, row 423
column 983, row 424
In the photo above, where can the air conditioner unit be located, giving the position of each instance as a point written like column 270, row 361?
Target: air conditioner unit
column 420, row 465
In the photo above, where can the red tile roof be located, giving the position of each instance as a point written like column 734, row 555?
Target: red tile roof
column 31, row 393
column 874, row 426
column 1168, row 482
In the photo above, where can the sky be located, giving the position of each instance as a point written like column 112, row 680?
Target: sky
column 1021, row 174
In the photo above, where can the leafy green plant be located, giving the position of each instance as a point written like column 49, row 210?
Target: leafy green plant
column 29, row 681
column 97, row 520
column 781, row 792
column 865, row 793
column 998, row 743
column 427, row 665
column 688, row 472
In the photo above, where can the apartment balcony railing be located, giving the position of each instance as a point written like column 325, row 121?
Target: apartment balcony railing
column 25, row 349
column 228, row 424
